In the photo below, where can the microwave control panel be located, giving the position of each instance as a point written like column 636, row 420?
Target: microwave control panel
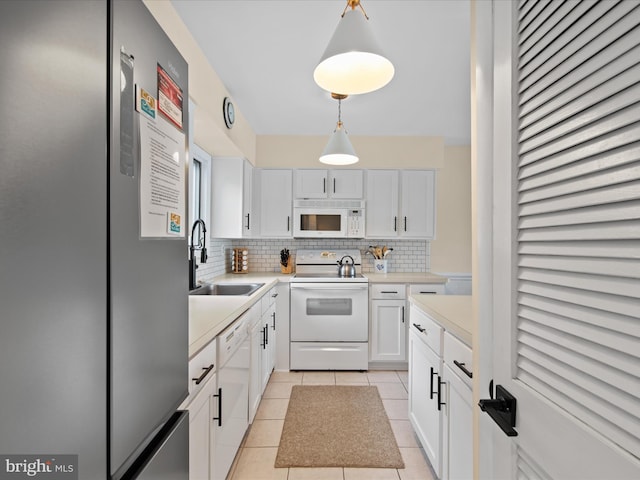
column 355, row 223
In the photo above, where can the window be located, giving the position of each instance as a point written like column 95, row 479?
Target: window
column 199, row 188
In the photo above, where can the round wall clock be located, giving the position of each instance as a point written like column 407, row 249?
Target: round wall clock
column 228, row 112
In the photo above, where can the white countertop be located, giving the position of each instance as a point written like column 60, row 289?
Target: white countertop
column 400, row 277
column 211, row 314
column 453, row 312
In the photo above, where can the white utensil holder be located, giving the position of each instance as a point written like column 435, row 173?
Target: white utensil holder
column 379, row 266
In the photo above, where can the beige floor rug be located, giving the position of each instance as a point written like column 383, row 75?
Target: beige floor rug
column 337, row 426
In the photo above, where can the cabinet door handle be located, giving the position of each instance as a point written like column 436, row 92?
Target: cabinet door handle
column 334, row 185
column 288, row 223
column 405, row 224
column 324, row 185
column 273, row 315
column 420, row 329
column 219, row 397
column 431, row 392
column 402, row 314
column 266, row 334
column 206, row 372
column 462, row 367
column 248, row 221
column 395, row 224
column 440, row 402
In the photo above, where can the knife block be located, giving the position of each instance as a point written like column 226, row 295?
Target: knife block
column 287, row 269
column 240, row 260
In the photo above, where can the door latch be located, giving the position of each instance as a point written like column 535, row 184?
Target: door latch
column 502, row 409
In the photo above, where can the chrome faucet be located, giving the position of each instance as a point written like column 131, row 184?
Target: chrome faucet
column 202, row 246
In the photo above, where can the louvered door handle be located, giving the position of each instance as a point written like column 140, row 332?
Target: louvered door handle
column 502, row 410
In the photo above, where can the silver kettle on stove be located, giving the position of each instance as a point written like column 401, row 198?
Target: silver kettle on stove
column 346, row 269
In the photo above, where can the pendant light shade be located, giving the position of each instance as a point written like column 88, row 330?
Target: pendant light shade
column 353, row 62
column 339, row 150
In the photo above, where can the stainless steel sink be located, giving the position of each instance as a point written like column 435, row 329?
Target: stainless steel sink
column 227, row 289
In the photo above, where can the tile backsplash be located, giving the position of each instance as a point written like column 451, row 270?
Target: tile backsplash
column 264, row 254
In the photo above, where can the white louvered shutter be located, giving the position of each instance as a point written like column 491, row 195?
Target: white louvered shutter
column 578, row 217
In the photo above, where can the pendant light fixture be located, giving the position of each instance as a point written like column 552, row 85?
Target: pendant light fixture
column 339, row 150
column 353, row 62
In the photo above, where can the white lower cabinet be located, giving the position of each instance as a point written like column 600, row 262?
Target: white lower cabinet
column 388, row 331
column 256, row 337
column 200, row 403
column 458, row 431
column 440, row 397
column 269, row 344
column 426, row 394
column 201, row 431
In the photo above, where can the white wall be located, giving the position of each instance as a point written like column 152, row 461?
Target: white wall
column 450, row 251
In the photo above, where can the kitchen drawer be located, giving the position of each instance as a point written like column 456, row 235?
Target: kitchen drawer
column 459, row 358
column 201, row 367
column 395, row 291
column 268, row 299
column 430, row 331
column 436, row 288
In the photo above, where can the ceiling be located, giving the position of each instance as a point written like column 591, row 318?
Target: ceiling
column 265, row 51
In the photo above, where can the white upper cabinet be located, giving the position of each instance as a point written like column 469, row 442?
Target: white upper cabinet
column 274, row 193
column 417, row 205
column 400, row 203
column 231, row 190
column 382, row 203
column 316, row 183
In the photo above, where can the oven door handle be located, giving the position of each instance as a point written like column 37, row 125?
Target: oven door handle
column 330, row 286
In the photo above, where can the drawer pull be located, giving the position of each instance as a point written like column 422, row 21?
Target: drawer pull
column 204, row 374
column 422, row 330
column 388, row 291
column 463, row 368
column 433, row 293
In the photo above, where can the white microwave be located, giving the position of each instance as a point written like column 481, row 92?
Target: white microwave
column 328, row 219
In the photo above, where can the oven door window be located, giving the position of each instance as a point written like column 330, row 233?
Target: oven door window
column 329, row 306
column 320, row 222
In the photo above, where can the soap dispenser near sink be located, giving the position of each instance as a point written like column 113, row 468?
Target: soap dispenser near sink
column 202, row 246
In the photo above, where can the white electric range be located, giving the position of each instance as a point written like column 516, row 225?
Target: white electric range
column 329, row 313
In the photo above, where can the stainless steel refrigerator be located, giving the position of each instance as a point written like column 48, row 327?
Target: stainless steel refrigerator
column 93, row 309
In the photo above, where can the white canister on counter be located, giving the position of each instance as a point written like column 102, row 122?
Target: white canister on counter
column 379, row 266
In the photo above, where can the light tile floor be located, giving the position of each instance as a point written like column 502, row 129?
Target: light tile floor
column 257, row 454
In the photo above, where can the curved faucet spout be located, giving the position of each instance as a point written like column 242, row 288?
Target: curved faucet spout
column 202, row 246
